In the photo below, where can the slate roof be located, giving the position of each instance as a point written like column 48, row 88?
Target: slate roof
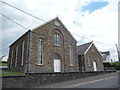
column 106, row 53
column 82, row 48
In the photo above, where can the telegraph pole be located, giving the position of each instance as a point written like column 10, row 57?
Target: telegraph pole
column 118, row 53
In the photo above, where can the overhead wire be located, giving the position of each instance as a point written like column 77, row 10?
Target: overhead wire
column 14, row 21
column 45, row 21
column 23, row 11
column 29, row 29
column 92, row 39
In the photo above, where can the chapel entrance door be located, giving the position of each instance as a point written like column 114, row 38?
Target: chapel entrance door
column 57, row 63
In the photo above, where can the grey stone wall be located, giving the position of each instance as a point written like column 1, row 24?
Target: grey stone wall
column 13, row 46
column 14, row 81
column 37, row 79
column 94, row 55
column 46, row 32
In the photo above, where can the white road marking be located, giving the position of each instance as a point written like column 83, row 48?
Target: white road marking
column 86, row 83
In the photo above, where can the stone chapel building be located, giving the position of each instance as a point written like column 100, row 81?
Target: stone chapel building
column 89, row 57
column 46, row 49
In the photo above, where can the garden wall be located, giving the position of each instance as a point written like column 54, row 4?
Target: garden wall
column 14, row 81
column 37, row 79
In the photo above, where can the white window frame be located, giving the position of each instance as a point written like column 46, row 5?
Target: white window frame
column 16, row 56
column 71, row 55
column 89, row 62
column 11, row 58
column 23, row 45
column 56, row 40
column 40, row 51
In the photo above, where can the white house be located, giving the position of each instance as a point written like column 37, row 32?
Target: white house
column 4, row 58
column 106, row 56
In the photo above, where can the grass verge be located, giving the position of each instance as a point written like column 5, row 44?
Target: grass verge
column 7, row 72
column 3, row 63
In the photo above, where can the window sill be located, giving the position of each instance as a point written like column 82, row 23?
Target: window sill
column 89, row 65
column 39, row 64
column 56, row 45
column 71, row 65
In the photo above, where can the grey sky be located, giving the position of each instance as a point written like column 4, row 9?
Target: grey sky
column 99, row 25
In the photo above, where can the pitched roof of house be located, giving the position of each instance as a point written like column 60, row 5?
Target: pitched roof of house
column 106, row 53
column 81, row 49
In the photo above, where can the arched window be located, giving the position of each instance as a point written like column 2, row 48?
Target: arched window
column 16, row 56
column 99, row 62
column 89, row 64
column 56, row 39
column 71, row 55
column 40, row 51
column 11, row 58
column 23, row 44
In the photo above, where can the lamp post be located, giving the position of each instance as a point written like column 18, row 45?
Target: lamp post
column 118, row 53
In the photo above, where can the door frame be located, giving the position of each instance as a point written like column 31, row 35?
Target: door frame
column 94, row 66
column 57, row 65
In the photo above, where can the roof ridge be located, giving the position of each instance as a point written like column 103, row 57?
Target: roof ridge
column 44, row 23
column 85, row 44
column 49, row 22
column 104, row 51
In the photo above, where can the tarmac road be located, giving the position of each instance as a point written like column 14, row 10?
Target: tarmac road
column 109, row 80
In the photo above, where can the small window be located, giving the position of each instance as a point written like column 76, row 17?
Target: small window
column 71, row 55
column 40, row 51
column 22, row 53
column 89, row 61
column 16, row 56
column 56, row 40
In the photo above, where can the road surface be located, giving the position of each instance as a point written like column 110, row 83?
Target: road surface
column 109, row 80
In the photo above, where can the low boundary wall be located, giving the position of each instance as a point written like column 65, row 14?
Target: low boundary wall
column 37, row 79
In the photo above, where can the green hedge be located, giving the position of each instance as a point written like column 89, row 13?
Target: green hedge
column 114, row 64
column 106, row 64
column 3, row 63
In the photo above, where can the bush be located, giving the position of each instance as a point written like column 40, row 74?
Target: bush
column 106, row 64
column 116, row 65
column 4, row 62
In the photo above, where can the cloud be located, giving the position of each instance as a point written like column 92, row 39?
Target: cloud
column 99, row 25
